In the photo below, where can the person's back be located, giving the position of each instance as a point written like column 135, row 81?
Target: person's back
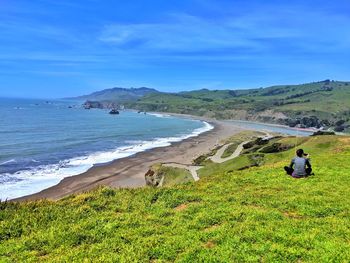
column 297, row 167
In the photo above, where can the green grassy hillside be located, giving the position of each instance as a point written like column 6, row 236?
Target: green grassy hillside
column 325, row 103
column 253, row 215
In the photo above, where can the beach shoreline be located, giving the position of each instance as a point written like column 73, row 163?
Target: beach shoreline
column 129, row 172
column 207, row 119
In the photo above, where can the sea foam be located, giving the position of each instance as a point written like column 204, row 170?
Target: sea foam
column 27, row 182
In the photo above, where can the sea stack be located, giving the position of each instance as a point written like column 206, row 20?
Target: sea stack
column 114, row 111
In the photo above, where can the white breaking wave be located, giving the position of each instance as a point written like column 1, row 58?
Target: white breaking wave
column 159, row 115
column 9, row 161
column 31, row 181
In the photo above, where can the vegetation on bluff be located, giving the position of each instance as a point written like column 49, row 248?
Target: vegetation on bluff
column 250, row 215
column 318, row 104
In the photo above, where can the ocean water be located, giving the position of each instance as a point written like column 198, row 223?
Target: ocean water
column 41, row 142
column 270, row 128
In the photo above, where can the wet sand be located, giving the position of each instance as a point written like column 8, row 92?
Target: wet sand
column 129, row 172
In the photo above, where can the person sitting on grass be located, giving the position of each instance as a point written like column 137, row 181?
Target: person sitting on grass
column 302, row 166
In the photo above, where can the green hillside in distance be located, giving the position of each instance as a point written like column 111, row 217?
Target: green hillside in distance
column 323, row 104
column 234, row 213
column 319, row 104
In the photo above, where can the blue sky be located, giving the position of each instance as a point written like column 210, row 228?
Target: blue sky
column 51, row 48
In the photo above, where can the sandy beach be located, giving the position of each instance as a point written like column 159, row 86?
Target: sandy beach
column 129, row 172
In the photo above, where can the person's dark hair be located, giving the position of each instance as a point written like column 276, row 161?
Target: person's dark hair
column 300, row 152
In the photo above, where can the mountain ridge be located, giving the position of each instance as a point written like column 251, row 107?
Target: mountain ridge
column 117, row 94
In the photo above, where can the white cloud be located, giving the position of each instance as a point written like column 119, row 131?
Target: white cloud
column 184, row 33
column 258, row 31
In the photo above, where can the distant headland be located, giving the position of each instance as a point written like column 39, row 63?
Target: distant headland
column 322, row 104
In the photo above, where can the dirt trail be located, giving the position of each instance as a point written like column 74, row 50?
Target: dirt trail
column 191, row 168
column 215, row 158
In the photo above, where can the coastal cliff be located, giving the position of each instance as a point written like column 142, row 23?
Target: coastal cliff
column 100, row 105
column 324, row 104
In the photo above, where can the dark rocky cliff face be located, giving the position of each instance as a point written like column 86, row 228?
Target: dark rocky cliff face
column 100, row 105
column 306, row 122
column 92, row 105
column 301, row 122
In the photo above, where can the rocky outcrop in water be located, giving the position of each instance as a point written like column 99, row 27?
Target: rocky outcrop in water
column 114, row 112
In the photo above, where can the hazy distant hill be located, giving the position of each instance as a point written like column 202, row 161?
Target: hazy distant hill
column 118, row 94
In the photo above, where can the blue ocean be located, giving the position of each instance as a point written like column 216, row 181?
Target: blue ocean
column 41, row 142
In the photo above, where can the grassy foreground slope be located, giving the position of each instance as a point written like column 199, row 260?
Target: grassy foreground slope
column 254, row 215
